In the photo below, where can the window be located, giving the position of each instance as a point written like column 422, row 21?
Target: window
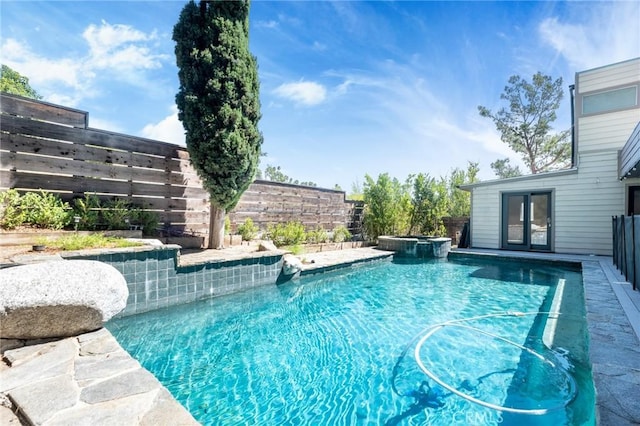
column 610, row 100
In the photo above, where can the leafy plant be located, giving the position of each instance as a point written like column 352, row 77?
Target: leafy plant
column 295, row 249
column 340, row 234
column 387, row 210
column 227, row 225
column 147, row 220
column 430, row 202
column 45, row 210
column 11, row 212
column 317, row 235
column 115, row 214
column 248, row 230
column 286, row 234
column 79, row 242
column 88, row 210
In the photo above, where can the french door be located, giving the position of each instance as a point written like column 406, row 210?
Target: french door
column 526, row 221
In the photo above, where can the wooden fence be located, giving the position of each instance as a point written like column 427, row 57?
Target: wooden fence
column 267, row 202
column 626, row 247
column 50, row 147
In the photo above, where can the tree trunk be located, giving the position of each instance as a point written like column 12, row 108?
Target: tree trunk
column 216, row 227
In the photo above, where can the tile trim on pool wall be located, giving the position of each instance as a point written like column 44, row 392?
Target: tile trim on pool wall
column 310, row 270
column 575, row 265
column 156, row 280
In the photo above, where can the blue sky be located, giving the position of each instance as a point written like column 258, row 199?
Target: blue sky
column 348, row 88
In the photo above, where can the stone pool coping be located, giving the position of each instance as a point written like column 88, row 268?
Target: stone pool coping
column 88, row 379
column 613, row 317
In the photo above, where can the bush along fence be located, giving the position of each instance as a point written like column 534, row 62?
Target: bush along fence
column 50, row 147
column 626, row 247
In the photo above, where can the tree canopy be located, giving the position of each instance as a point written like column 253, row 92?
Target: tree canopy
column 218, row 101
column 526, row 124
column 275, row 174
column 11, row 81
column 416, row 206
column 503, row 169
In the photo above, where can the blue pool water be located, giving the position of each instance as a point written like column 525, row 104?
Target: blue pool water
column 339, row 349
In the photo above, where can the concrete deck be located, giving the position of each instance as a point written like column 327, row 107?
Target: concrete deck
column 613, row 316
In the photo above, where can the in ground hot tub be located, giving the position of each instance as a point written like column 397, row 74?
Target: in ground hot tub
column 416, row 246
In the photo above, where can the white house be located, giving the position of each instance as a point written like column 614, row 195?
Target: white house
column 570, row 211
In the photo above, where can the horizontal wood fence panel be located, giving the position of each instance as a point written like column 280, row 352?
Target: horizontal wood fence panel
column 73, row 161
column 38, row 110
column 57, row 165
column 48, row 182
column 78, row 152
column 12, row 124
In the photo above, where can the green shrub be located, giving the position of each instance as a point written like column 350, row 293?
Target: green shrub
column 116, row 213
column 11, row 212
column 248, row 230
column 79, row 242
column 88, row 210
column 146, row 219
column 227, row 225
column 286, row 234
column 45, row 210
column 340, row 234
column 318, row 235
column 295, row 249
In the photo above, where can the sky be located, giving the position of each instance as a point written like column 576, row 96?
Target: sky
column 347, row 88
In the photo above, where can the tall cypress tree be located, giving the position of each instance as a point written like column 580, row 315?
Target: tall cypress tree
column 218, row 101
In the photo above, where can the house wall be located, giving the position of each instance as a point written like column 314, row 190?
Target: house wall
column 585, row 198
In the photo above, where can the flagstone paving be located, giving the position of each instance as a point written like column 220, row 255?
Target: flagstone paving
column 84, row 380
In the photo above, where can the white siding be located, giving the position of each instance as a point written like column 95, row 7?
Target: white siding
column 609, row 76
column 583, row 204
column 606, row 131
column 485, row 217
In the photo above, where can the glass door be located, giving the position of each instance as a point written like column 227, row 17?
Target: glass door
column 514, row 219
column 540, row 221
column 526, row 221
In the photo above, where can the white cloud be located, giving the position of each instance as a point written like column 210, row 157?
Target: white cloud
column 267, row 24
column 99, row 123
column 304, row 92
column 169, row 129
column 118, row 49
column 319, row 46
column 107, row 37
column 608, row 34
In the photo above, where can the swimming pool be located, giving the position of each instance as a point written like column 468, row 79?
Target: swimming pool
column 339, row 348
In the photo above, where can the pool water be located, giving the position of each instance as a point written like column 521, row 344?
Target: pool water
column 339, row 349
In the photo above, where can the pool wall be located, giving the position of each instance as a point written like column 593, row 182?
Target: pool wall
column 156, row 279
column 420, row 246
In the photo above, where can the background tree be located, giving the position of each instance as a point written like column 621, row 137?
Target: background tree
column 460, row 201
column 12, row 82
column 503, row 169
column 356, row 193
column 387, row 207
column 526, row 125
column 218, row 101
column 429, row 203
column 274, row 174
